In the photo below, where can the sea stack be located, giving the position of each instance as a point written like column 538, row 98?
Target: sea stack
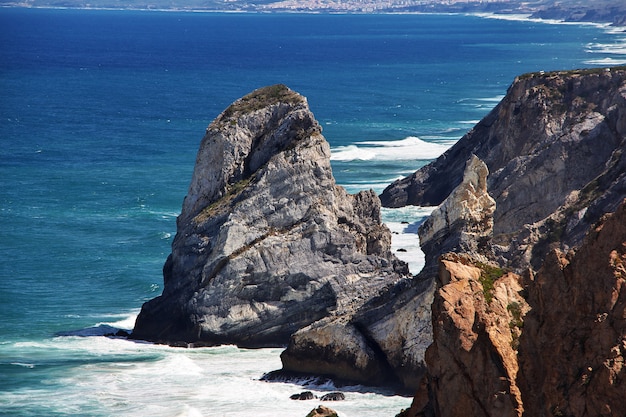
column 266, row 242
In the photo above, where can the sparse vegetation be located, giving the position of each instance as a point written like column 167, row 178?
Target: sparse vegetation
column 516, row 324
column 488, row 276
column 262, row 97
column 233, row 191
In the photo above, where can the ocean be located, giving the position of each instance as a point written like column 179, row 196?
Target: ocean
column 101, row 115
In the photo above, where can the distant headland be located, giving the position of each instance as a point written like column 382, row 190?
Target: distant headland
column 600, row 11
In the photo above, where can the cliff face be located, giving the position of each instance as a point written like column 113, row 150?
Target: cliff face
column 472, row 363
column 573, row 347
column 559, row 352
column 552, row 145
column 551, row 340
column 266, row 242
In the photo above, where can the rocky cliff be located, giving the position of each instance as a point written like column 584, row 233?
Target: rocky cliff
column 559, row 351
column 266, row 242
column 553, row 148
column 549, row 340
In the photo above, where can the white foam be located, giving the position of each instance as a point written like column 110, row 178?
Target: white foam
column 616, row 52
column 409, row 149
column 521, row 17
column 609, row 62
column 118, row 377
column 404, row 223
column 126, row 320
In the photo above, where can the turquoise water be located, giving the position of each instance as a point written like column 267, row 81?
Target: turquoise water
column 101, row 114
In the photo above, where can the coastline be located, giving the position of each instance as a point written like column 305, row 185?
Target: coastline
column 514, row 15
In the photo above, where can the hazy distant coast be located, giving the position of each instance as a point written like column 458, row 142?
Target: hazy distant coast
column 601, row 11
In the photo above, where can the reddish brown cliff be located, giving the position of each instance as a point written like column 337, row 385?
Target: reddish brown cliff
column 574, row 341
column 559, row 352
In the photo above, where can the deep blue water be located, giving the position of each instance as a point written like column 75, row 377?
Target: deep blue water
column 101, row 114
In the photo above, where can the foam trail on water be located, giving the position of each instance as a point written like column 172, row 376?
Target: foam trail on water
column 126, row 321
column 404, row 223
column 408, row 149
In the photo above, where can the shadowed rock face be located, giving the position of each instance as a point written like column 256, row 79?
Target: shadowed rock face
column 266, row 242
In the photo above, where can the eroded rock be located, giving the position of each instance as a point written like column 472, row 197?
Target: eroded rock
column 266, row 243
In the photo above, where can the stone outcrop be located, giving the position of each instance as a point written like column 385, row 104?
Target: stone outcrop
column 384, row 342
column 381, row 343
column 552, row 145
column 266, row 242
column 463, row 222
column 472, row 364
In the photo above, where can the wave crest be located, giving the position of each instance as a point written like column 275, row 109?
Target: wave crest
column 409, row 149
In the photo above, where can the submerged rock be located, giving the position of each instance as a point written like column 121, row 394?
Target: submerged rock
column 267, row 243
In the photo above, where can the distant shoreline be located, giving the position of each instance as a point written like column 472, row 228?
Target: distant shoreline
column 504, row 15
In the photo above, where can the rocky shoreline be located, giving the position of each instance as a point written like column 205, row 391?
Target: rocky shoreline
column 522, row 246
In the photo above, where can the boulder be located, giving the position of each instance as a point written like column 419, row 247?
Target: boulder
column 266, row 242
column 333, row 396
column 321, row 411
column 306, row 395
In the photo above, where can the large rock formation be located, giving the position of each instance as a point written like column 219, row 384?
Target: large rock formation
column 384, row 342
column 555, row 151
column 559, row 352
column 267, row 243
column 552, row 146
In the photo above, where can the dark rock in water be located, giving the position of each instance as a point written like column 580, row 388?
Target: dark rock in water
column 333, row 396
column 322, row 411
column 267, row 243
column 100, row 330
column 306, row 395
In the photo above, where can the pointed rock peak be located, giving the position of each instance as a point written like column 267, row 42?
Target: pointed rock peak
column 465, row 217
column 250, row 132
column 266, row 242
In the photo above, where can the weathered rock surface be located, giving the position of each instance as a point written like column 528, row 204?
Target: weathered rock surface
column 381, row 343
column 385, row 341
column 554, row 144
column 321, row 411
column 472, row 363
column 573, row 347
column 463, row 222
column 555, row 344
column 570, row 335
column 266, row 243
